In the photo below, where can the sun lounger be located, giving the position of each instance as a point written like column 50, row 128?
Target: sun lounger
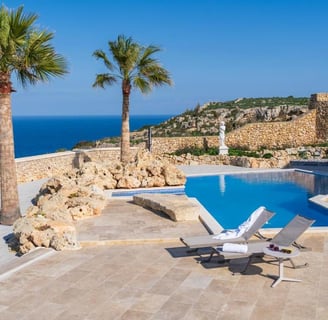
column 284, row 238
column 240, row 235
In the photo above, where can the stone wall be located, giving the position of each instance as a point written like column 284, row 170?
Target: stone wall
column 298, row 132
column 169, row 145
column 49, row 165
column 319, row 102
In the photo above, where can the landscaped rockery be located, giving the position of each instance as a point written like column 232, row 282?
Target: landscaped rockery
column 79, row 194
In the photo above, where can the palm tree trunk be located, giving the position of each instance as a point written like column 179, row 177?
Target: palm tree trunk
column 125, row 134
column 10, row 210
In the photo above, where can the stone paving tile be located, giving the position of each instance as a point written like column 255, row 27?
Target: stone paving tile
column 165, row 287
column 150, row 303
column 45, row 311
column 211, row 302
column 197, row 280
column 172, row 310
column 271, row 312
column 195, row 314
column 136, row 315
column 236, row 309
column 107, row 311
column 186, row 295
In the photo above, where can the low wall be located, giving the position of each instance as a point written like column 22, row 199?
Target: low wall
column 170, row 145
column 49, row 165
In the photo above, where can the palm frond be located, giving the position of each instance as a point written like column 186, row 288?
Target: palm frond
column 4, row 29
column 37, row 59
column 156, row 75
column 27, row 51
column 101, row 55
column 20, row 24
column 103, row 80
column 142, row 84
column 125, row 52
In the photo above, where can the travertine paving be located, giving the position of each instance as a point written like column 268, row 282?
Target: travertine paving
column 160, row 280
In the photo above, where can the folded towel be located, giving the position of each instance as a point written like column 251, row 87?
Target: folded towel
column 245, row 226
column 234, row 247
column 227, row 234
column 236, row 233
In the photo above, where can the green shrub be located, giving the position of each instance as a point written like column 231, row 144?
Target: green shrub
column 243, row 153
column 137, row 141
column 324, row 144
column 303, row 154
column 267, row 156
column 84, row 144
column 196, row 151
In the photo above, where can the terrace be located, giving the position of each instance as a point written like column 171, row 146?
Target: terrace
column 132, row 266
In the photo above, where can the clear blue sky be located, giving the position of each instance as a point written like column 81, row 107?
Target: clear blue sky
column 214, row 49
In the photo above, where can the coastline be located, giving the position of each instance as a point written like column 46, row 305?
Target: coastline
column 38, row 135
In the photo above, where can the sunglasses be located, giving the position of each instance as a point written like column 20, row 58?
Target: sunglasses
column 276, row 248
column 273, row 247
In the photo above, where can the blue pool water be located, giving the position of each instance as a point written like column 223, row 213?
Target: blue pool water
column 231, row 198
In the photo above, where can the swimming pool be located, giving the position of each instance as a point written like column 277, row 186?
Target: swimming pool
column 231, row 198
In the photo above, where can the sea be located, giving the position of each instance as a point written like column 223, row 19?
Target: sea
column 37, row 135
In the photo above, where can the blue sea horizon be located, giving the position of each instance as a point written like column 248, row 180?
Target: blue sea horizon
column 37, row 135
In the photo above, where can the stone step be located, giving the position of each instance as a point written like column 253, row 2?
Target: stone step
column 177, row 207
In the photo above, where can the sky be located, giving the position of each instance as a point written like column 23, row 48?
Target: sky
column 215, row 50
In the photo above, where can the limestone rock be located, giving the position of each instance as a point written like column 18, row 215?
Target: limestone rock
column 173, row 176
column 128, row 182
column 150, row 182
column 85, row 207
column 43, row 232
column 177, row 207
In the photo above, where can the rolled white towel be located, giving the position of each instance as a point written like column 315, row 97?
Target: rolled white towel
column 234, row 247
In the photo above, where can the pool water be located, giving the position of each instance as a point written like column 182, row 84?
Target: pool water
column 232, row 198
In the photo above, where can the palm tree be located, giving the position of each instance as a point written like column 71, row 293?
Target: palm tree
column 135, row 67
column 26, row 52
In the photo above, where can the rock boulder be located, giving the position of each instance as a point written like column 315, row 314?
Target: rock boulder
column 79, row 194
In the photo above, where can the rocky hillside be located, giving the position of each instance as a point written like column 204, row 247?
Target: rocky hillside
column 205, row 120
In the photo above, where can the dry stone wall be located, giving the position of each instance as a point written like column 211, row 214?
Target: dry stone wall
column 319, row 102
column 298, row 132
column 46, row 166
